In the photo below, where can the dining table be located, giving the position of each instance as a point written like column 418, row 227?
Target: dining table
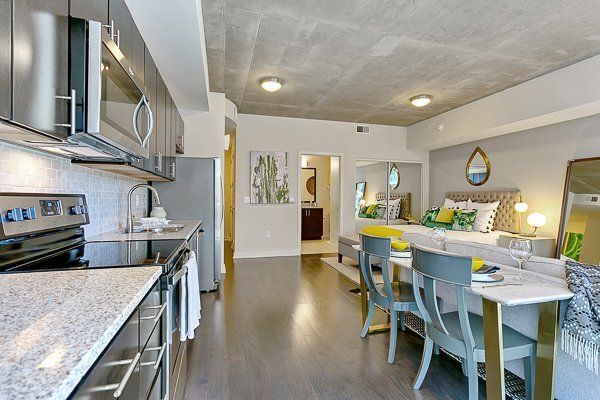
column 517, row 288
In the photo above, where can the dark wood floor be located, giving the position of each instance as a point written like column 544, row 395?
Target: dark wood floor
column 288, row 328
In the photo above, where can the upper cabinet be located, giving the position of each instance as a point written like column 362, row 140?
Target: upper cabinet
column 5, row 57
column 138, row 53
column 41, row 98
column 95, row 10
column 120, row 17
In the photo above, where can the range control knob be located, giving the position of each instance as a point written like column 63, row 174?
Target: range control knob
column 75, row 210
column 15, row 215
column 29, row 213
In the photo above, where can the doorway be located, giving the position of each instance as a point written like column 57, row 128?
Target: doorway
column 229, row 196
column 320, row 203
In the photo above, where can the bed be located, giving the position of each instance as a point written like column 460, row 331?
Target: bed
column 360, row 222
column 507, row 221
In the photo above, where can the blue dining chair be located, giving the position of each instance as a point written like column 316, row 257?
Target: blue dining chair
column 396, row 297
column 460, row 332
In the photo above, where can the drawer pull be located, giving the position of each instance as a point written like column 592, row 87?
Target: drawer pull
column 127, row 375
column 157, row 316
column 156, row 363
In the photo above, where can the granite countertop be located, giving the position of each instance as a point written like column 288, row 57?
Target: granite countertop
column 54, row 325
column 118, row 236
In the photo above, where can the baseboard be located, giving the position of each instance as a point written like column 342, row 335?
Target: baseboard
column 261, row 254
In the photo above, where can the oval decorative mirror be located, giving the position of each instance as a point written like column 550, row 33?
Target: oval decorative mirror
column 478, row 168
column 394, row 178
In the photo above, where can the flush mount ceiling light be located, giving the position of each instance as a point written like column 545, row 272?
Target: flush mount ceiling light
column 421, row 100
column 271, row 84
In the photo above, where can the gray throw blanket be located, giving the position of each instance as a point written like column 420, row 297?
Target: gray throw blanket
column 581, row 328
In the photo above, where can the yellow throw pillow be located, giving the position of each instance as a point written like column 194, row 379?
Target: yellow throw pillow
column 382, row 231
column 445, row 215
column 371, row 208
column 399, row 245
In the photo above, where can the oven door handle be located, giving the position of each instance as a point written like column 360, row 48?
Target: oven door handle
column 177, row 276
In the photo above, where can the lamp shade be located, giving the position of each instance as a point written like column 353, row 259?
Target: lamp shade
column 536, row 219
column 521, row 207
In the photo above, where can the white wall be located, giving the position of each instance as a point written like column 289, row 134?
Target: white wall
column 296, row 135
column 566, row 94
column 533, row 161
column 205, row 130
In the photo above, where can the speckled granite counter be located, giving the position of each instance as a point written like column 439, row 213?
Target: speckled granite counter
column 118, row 236
column 54, row 325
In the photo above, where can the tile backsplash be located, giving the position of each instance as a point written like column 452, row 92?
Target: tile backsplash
column 30, row 171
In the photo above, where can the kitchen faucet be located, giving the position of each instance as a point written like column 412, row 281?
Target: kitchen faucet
column 129, row 228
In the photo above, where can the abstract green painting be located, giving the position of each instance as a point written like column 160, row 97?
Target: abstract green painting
column 269, row 179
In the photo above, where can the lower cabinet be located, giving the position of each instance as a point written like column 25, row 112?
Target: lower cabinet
column 131, row 367
column 312, row 223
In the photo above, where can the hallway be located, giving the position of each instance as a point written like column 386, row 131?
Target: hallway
column 288, row 328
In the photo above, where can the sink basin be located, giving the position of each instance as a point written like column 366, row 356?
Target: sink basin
column 159, row 229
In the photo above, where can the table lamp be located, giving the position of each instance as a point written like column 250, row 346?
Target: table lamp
column 536, row 220
column 521, row 207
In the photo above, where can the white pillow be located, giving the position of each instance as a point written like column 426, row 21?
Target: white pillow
column 455, row 205
column 486, row 215
column 395, row 208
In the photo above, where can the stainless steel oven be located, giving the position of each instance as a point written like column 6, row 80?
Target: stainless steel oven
column 110, row 106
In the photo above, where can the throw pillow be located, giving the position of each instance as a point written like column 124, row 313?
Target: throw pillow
column 455, row 205
column 394, row 209
column 433, row 224
column 486, row 215
column 364, row 215
column 445, row 215
column 464, row 220
column 371, row 208
column 429, row 215
column 363, row 209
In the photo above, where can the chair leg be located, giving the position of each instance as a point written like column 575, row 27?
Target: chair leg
column 463, row 363
column 425, row 360
column 369, row 319
column 340, row 258
column 402, row 327
column 529, row 367
column 393, row 335
column 473, row 378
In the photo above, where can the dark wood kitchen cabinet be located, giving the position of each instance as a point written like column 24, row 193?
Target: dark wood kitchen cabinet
column 312, row 223
column 5, row 57
column 138, row 53
column 41, row 96
column 119, row 14
column 95, row 10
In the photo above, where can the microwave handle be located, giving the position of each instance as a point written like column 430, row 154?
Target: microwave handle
column 150, row 121
column 136, row 113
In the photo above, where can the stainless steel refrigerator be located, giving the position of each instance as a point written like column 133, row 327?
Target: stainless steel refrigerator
column 198, row 194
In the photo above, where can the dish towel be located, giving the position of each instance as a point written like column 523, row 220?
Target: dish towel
column 193, row 296
column 183, row 300
column 581, row 328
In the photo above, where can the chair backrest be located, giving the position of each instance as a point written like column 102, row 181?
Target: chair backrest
column 379, row 248
column 435, row 265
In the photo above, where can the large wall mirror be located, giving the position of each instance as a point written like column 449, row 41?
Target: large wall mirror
column 309, row 185
column 579, row 233
column 478, row 168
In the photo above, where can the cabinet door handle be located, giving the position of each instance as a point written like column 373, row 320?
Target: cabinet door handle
column 172, row 173
column 158, row 161
column 127, row 375
column 118, row 38
column 73, row 110
column 111, row 29
column 150, row 121
column 158, row 315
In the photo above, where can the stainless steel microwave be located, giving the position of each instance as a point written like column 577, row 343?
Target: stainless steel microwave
column 110, row 107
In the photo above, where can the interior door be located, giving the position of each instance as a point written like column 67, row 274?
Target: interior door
column 5, row 57
column 41, row 65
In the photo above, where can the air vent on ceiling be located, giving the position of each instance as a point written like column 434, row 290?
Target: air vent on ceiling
column 362, row 129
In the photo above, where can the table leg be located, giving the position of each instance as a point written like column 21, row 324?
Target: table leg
column 494, row 357
column 546, row 351
column 363, row 298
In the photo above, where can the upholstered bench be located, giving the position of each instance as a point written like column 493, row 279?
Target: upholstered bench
column 345, row 244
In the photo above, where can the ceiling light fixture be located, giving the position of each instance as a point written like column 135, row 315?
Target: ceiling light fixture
column 421, row 100
column 271, row 84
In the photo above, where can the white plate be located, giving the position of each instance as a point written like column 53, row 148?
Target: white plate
column 487, row 277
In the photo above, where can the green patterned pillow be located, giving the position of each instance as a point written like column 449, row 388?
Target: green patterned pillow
column 433, row 224
column 363, row 209
column 464, row 220
column 430, row 215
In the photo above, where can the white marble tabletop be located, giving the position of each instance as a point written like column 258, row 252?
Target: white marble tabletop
column 119, row 236
column 54, row 325
column 517, row 287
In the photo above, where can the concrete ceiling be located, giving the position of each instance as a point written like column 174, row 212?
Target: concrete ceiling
column 585, row 177
column 361, row 60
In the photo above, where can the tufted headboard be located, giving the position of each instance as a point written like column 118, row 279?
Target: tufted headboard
column 507, row 218
column 404, row 202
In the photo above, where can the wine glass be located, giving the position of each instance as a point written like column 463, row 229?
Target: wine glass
column 520, row 251
column 439, row 236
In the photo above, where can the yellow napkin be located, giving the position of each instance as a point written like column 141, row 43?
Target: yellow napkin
column 477, row 263
column 399, row 245
column 382, row 231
